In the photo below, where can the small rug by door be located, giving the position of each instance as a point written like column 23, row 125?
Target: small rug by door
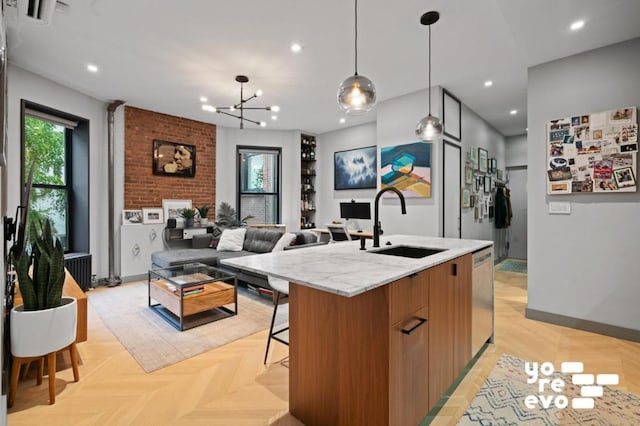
column 512, row 265
column 155, row 344
column 500, row 401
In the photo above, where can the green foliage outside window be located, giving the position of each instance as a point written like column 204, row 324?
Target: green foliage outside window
column 45, row 143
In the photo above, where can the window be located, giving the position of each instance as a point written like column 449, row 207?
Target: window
column 259, row 184
column 45, row 144
column 57, row 145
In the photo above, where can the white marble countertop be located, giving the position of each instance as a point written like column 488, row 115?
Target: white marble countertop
column 343, row 269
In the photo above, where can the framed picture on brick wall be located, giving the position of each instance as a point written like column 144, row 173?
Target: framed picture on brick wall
column 174, row 159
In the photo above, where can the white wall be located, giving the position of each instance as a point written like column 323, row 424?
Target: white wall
column 396, row 123
column 583, row 265
column 31, row 87
column 227, row 139
column 477, row 133
column 516, row 151
column 328, row 199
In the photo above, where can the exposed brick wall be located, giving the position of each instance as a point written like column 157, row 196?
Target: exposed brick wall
column 144, row 189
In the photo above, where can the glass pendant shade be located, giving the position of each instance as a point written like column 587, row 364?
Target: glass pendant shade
column 429, row 128
column 356, row 95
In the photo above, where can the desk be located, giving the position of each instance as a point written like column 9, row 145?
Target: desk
column 70, row 289
column 354, row 234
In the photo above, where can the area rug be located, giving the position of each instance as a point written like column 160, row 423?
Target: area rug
column 510, row 265
column 155, row 344
column 500, row 401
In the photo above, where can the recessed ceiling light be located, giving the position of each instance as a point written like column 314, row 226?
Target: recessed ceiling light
column 577, row 25
column 203, row 99
column 274, row 117
column 296, row 47
column 92, row 68
column 343, row 120
column 488, row 83
column 526, row 130
column 513, row 112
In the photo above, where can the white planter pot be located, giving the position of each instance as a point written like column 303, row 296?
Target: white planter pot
column 36, row 333
column 204, row 222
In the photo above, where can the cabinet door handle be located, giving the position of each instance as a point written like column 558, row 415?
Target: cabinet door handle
column 455, row 269
column 135, row 250
column 152, row 235
column 412, row 329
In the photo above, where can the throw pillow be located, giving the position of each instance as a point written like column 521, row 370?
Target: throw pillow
column 287, row 239
column 231, row 239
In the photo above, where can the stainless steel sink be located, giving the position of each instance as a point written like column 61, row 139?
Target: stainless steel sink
column 408, row 251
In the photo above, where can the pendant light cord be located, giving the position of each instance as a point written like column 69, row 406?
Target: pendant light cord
column 429, row 69
column 356, row 37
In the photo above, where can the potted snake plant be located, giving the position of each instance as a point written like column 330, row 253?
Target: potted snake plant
column 46, row 321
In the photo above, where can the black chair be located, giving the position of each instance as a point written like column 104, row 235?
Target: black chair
column 339, row 233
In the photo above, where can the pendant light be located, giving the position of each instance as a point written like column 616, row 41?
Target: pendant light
column 357, row 94
column 430, row 127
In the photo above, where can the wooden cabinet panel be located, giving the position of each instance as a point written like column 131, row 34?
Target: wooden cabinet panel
column 351, row 362
column 441, row 331
column 462, row 323
column 408, row 360
column 339, row 357
column 407, row 295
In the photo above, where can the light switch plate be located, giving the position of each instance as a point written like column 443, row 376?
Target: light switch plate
column 559, row 207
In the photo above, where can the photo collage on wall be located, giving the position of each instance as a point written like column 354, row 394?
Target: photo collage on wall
column 593, row 153
column 481, row 177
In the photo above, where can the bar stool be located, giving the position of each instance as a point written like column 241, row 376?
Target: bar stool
column 280, row 288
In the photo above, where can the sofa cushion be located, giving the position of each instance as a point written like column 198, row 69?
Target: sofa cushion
column 259, row 240
column 165, row 259
column 232, row 239
column 305, row 238
column 286, row 240
column 201, row 240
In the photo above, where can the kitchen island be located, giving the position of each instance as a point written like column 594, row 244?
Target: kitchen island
column 374, row 338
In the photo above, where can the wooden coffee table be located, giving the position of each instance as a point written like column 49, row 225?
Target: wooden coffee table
column 193, row 294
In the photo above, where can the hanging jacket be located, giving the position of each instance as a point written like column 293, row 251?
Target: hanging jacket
column 507, row 197
column 501, row 213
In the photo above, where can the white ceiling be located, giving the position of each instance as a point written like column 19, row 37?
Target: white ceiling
column 163, row 55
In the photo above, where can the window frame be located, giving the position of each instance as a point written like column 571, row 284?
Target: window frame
column 77, row 192
column 243, row 149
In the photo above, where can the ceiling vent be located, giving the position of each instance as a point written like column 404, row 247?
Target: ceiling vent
column 37, row 11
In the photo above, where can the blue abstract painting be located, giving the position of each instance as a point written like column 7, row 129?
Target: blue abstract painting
column 407, row 168
column 356, row 168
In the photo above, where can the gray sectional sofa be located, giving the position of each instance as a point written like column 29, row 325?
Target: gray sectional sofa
column 256, row 241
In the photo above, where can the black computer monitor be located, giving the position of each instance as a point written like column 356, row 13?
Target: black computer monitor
column 355, row 210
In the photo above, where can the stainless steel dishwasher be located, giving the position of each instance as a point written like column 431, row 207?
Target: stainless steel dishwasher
column 481, row 299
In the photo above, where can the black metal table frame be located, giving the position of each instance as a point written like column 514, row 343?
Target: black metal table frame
column 178, row 322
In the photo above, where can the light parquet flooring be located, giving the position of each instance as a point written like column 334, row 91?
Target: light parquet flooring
column 231, row 386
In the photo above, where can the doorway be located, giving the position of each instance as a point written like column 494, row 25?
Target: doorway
column 451, row 170
column 517, row 238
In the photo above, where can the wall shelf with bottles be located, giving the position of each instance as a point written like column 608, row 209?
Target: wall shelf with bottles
column 307, row 181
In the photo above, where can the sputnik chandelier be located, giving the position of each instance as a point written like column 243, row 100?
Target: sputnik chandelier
column 240, row 105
